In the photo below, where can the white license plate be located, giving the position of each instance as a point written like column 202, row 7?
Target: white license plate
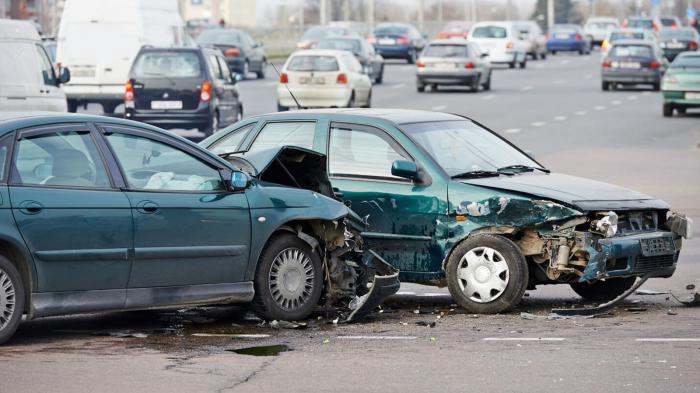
column 444, row 66
column 387, row 41
column 632, row 65
column 83, row 73
column 561, row 36
column 166, row 104
column 692, row 96
column 675, row 45
column 305, row 80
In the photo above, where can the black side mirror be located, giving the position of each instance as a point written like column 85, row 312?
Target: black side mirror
column 64, row 75
column 483, row 55
column 405, row 169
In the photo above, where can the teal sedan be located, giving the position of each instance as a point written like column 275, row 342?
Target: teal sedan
column 102, row 214
column 681, row 84
column 449, row 202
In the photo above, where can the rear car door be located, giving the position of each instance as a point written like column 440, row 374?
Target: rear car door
column 229, row 85
column 188, row 228
column 223, row 90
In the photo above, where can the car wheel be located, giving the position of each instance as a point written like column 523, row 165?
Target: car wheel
column 475, row 84
column 420, row 88
column 668, row 110
column 603, row 291
column 282, row 108
column 263, row 67
column 239, row 114
column 380, row 77
column 605, row 86
column 288, row 281
column 351, row 102
column 523, row 63
column 213, row 124
column 486, row 274
column 656, row 86
column 553, row 52
column 12, row 299
column 411, row 57
column 543, row 55
column 108, row 108
column 511, row 64
column 72, row 106
column 581, row 52
column 246, row 70
column 681, row 111
column 368, row 104
column 487, row 84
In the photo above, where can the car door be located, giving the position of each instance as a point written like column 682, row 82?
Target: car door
column 230, row 85
column 54, row 97
column 403, row 216
column 75, row 222
column 361, row 81
column 254, row 51
column 226, row 101
column 189, row 230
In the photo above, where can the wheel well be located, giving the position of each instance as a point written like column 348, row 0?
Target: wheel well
column 17, row 258
column 505, row 231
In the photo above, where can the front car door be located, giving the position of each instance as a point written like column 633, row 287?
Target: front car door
column 231, row 93
column 55, row 98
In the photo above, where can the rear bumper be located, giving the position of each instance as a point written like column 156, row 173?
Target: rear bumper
column 199, row 118
column 566, row 46
column 632, row 76
column 314, row 97
column 446, row 78
column 393, row 51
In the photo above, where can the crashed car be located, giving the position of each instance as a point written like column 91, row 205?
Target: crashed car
column 104, row 214
column 449, row 202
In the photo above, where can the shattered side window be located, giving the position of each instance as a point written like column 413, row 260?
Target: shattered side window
column 293, row 133
column 362, row 153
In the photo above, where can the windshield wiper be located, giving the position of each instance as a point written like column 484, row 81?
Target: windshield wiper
column 522, row 168
column 479, row 173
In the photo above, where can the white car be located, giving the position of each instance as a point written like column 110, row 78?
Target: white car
column 598, row 28
column 535, row 41
column 502, row 41
column 323, row 78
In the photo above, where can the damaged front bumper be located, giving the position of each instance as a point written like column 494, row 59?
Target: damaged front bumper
column 384, row 284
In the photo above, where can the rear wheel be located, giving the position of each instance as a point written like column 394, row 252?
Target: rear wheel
column 543, row 55
column 351, row 102
column 553, row 52
column 380, row 76
column 606, row 86
column 487, row 84
column 411, row 59
column 246, row 70
column 368, row 104
column 239, row 113
column 656, row 86
column 282, row 108
column 263, row 67
column 668, row 110
column 523, row 63
column 108, row 108
column 420, row 88
column 213, row 124
column 12, row 299
column 511, row 64
column 72, row 106
column 603, row 291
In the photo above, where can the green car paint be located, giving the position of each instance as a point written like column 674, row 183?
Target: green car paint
column 681, row 83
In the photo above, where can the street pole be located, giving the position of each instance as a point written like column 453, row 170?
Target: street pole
column 475, row 16
column 323, row 12
column 370, row 15
column 550, row 14
column 421, row 4
column 439, row 12
column 508, row 7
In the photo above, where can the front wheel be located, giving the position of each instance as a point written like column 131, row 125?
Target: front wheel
column 288, row 280
column 213, row 124
column 263, row 67
column 487, row 84
column 668, row 110
column 487, row 274
column 12, row 299
column 603, row 291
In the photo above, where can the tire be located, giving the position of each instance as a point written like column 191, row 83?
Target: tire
column 668, row 110
column 656, row 86
column 605, row 86
column 351, row 102
column 505, row 260
column 681, row 111
column 543, row 55
column 487, row 84
column 282, row 108
column 581, row 52
column 108, row 108
column 72, row 106
column 511, row 64
column 554, row 52
column 246, row 70
column 213, row 125
column 287, row 257
column 380, row 77
column 603, row 291
column 263, row 67
column 411, row 59
column 420, row 88
column 369, row 100
column 239, row 114
column 523, row 63
column 12, row 290
column 475, row 84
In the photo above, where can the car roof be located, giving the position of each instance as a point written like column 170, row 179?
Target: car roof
column 498, row 23
column 18, row 30
column 392, row 115
column 319, row 52
column 633, row 42
column 450, row 41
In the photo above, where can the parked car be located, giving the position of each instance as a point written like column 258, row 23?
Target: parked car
column 105, row 214
column 598, row 27
column 455, row 29
column 98, row 41
column 642, row 22
column 535, row 40
column 454, row 63
column 371, row 62
column 397, row 41
column 633, row 62
column 670, row 22
column 315, row 33
column 681, row 84
column 28, row 80
column 568, row 38
column 675, row 41
column 501, row 41
column 454, row 203
column 182, row 88
column 627, row 34
column 243, row 55
column 323, row 78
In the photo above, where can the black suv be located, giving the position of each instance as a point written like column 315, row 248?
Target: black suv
column 182, row 88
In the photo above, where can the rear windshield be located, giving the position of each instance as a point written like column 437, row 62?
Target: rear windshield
column 601, row 25
column 641, row 23
column 686, row 62
column 216, row 36
column 626, row 35
column 490, row 32
column 323, row 31
column 167, row 64
column 313, row 63
column 678, row 34
column 446, row 51
column 668, row 22
column 565, row 29
column 631, row 51
column 391, row 30
column 349, row 45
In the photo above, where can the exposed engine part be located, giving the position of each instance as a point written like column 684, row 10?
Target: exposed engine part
column 563, row 255
column 606, row 225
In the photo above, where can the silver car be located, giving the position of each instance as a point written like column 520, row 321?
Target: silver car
column 453, row 62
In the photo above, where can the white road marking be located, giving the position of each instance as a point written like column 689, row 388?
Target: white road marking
column 599, row 107
column 526, row 88
column 405, row 293
column 524, row 339
column 537, row 124
column 580, row 113
column 439, row 107
column 432, row 294
column 617, row 102
column 560, row 118
column 668, row 339
column 488, row 97
column 632, row 98
column 377, row 337
column 398, row 86
column 512, row 131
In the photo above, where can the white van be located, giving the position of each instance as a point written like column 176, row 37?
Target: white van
column 27, row 77
column 501, row 41
column 98, row 40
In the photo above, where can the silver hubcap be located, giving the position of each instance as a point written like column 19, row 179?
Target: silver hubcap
column 483, row 274
column 291, row 278
column 7, row 299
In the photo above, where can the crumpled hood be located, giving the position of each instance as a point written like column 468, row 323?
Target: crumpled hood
column 581, row 193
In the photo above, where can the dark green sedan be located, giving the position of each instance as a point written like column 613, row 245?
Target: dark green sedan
column 681, row 84
column 101, row 214
column 449, row 202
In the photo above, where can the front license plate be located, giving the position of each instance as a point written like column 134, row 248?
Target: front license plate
column 387, row 41
column 632, row 65
column 657, row 246
column 166, row 104
column 692, row 96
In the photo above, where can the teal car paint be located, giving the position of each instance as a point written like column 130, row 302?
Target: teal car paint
column 427, row 213
column 681, row 84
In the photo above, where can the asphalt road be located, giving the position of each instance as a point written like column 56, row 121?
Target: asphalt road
column 555, row 109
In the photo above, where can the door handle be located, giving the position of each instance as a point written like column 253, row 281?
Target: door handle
column 147, row 207
column 30, row 207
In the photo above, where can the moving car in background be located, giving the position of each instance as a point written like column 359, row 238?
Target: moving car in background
column 501, row 41
column 323, row 78
column 681, row 84
column 99, row 39
column 182, row 88
column 626, row 34
column 455, row 29
column 670, row 22
column 454, row 203
column 397, row 41
column 598, row 27
column 568, row 38
column 315, row 33
column 103, row 214
column 372, row 63
column 633, row 62
column 674, row 41
column 28, row 80
column 641, row 22
column 243, row 54
column 453, row 62
column 535, row 40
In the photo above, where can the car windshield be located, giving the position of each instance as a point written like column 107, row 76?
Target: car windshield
column 348, row 45
column 215, row 36
column 391, row 30
column 601, row 25
column 313, row 63
column 686, row 61
column 641, row 23
column 490, row 32
column 631, row 51
column 461, row 146
column 324, row 31
column 677, row 34
column 439, row 50
column 621, row 35
column 171, row 64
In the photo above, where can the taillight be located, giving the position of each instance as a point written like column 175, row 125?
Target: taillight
column 546, row 35
column 509, row 45
column 655, row 26
column 469, row 65
column 372, row 39
column 420, row 64
column 654, row 65
column 342, row 79
column 606, row 63
column 579, row 37
column 443, row 34
column 232, row 52
column 304, row 45
column 692, row 45
column 403, row 40
column 284, row 78
column 205, row 94
column 128, row 91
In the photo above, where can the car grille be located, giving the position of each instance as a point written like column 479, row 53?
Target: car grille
column 652, row 263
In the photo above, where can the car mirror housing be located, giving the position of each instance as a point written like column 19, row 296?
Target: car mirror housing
column 483, row 55
column 64, row 75
column 240, row 181
column 405, row 169
column 237, row 78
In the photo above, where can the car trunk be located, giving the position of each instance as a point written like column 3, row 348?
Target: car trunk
column 316, row 79
column 167, row 93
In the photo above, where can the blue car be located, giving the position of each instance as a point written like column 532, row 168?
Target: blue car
column 397, row 41
column 568, row 38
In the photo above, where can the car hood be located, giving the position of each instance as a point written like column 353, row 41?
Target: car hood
column 581, row 193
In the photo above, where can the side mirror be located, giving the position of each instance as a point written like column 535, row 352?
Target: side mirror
column 237, row 78
column 258, row 45
column 405, row 169
column 483, row 55
column 239, row 181
column 64, row 75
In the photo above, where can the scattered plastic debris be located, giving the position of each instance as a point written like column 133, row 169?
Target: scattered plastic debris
column 256, row 336
column 426, row 323
column 649, row 292
column 289, row 325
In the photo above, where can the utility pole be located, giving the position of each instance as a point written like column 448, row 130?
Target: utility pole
column 475, row 11
column 439, row 13
column 370, row 15
column 421, row 5
column 550, row 14
column 323, row 12
column 509, row 5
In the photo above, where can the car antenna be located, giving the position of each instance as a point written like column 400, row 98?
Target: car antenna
column 285, row 85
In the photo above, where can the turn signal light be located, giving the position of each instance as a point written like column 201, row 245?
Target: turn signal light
column 232, row 52
column 469, row 65
column 693, row 45
column 654, row 65
column 128, row 91
column 509, row 45
column 342, row 79
column 205, row 94
column 284, row 78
